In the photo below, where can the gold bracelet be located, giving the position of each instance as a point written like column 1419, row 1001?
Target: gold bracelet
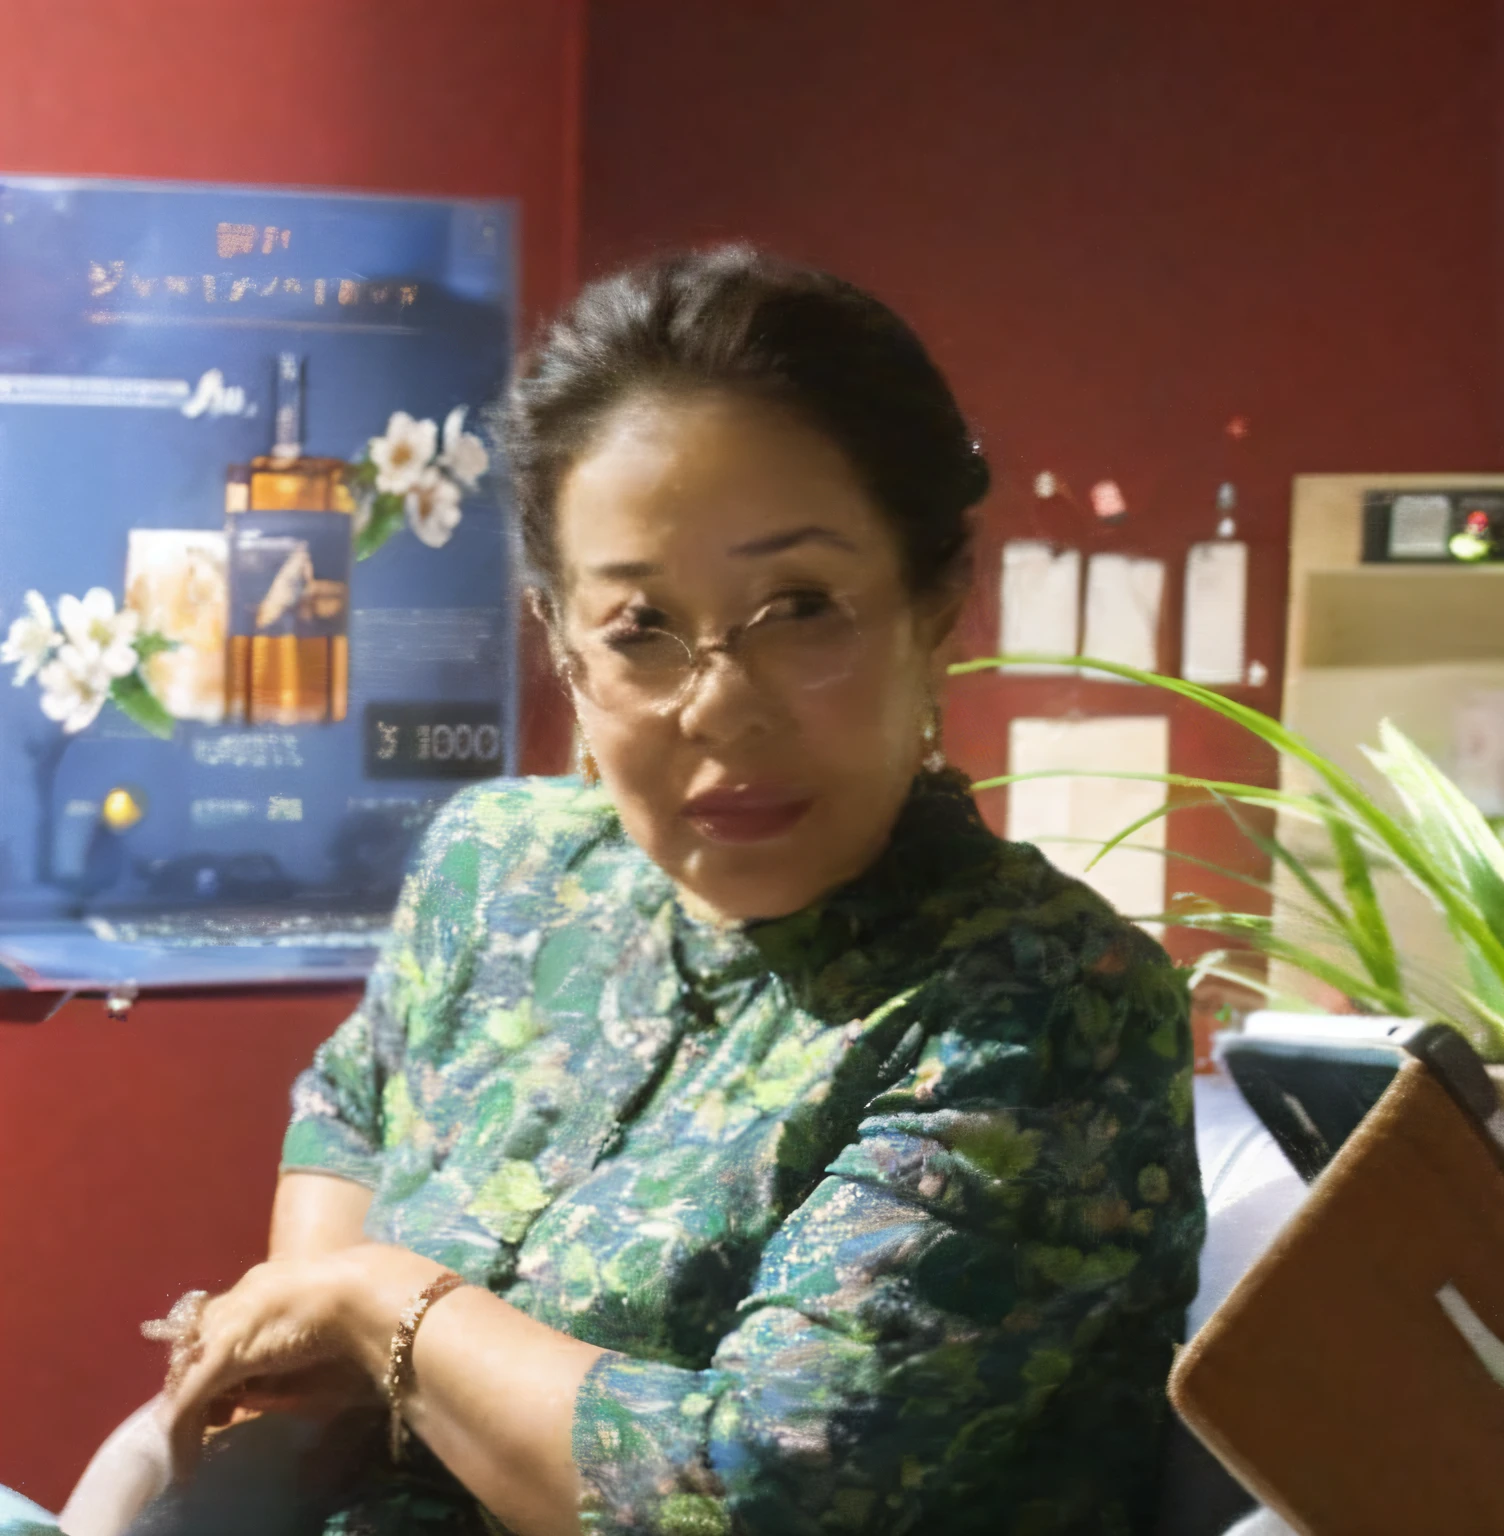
column 398, row 1381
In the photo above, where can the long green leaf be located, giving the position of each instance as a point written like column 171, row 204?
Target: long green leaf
column 134, row 699
column 1253, row 794
column 1353, row 929
column 1458, row 836
column 1278, row 853
column 1344, row 979
column 387, row 515
column 1457, row 831
column 1173, row 854
column 1205, row 964
column 154, row 643
column 1368, row 928
column 1265, row 727
column 1285, row 1001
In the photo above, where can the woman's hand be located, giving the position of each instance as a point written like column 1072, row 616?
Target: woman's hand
column 494, row 1393
column 277, row 1339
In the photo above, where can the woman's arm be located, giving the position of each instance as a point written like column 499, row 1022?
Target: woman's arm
column 316, row 1213
column 494, row 1391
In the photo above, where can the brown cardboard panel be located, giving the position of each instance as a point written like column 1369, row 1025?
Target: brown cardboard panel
column 1331, row 1381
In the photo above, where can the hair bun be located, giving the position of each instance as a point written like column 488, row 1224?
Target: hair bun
column 977, row 475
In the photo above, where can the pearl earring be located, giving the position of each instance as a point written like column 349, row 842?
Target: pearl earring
column 930, row 735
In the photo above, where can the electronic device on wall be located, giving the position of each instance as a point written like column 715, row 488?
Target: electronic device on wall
column 1433, row 526
column 238, row 708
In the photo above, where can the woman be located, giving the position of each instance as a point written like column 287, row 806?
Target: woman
column 814, row 1160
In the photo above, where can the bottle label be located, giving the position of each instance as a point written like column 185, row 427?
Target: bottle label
column 289, row 573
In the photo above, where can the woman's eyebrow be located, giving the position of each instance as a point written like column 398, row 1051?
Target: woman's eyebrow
column 777, row 542
column 773, row 544
column 625, row 570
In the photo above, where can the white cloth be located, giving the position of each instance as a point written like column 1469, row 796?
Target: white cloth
column 16, row 1506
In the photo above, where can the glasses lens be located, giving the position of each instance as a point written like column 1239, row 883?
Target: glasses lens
column 646, row 672
column 810, row 644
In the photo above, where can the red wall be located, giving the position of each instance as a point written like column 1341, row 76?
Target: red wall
column 137, row 1160
column 1118, row 227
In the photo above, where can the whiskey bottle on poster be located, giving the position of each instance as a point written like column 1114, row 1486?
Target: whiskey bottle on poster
column 289, row 526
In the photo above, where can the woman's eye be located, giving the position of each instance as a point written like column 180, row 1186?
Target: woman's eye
column 809, row 603
column 637, row 627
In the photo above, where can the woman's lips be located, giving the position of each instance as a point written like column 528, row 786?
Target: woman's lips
column 745, row 816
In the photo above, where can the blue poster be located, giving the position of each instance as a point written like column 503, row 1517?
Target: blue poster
column 255, row 566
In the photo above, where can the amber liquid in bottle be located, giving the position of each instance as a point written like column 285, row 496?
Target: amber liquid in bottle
column 289, row 648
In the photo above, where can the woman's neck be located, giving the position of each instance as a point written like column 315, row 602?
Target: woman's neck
column 702, row 911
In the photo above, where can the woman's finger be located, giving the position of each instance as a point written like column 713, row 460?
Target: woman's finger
column 189, row 1407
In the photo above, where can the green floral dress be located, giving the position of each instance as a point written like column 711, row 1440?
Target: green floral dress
column 887, row 1211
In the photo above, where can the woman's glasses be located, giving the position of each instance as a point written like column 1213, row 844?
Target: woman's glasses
column 796, row 642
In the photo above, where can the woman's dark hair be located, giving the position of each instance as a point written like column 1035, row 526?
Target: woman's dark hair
column 735, row 318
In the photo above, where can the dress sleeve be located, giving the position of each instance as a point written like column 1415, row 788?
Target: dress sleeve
column 968, row 1324
column 339, row 1103
column 336, row 1102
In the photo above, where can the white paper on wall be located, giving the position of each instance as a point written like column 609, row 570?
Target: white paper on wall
column 1123, row 598
column 1041, row 601
column 1070, row 818
column 1216, row 602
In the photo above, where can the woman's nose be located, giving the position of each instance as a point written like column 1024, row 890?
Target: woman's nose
column 720, row 700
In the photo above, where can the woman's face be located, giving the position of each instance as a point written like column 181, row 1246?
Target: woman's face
column 763, row 775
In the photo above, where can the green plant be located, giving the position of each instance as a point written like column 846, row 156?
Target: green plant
column 1339, row 934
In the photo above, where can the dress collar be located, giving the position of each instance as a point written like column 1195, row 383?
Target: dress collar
column 938, row 838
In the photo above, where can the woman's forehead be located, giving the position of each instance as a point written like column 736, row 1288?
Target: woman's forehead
column 710, row 476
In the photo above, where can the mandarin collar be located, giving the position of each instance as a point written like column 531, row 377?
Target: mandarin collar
column 938, row 837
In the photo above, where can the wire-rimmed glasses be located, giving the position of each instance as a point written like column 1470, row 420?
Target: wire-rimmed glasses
column 793, row 644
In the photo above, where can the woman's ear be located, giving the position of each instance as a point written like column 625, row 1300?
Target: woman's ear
column 538, row 605
column 541, row 606
column 941, row 615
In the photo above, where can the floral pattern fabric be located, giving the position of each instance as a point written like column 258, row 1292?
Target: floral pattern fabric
column 887, row 1212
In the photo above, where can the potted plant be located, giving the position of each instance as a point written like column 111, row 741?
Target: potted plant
column 1422, row 827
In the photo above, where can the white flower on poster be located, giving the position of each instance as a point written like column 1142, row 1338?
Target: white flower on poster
column 103, row 636
column 403, row 453
column 32, row 639
column 464, row 455
column 433, row 508
column 75, row 685
column 97, row 653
